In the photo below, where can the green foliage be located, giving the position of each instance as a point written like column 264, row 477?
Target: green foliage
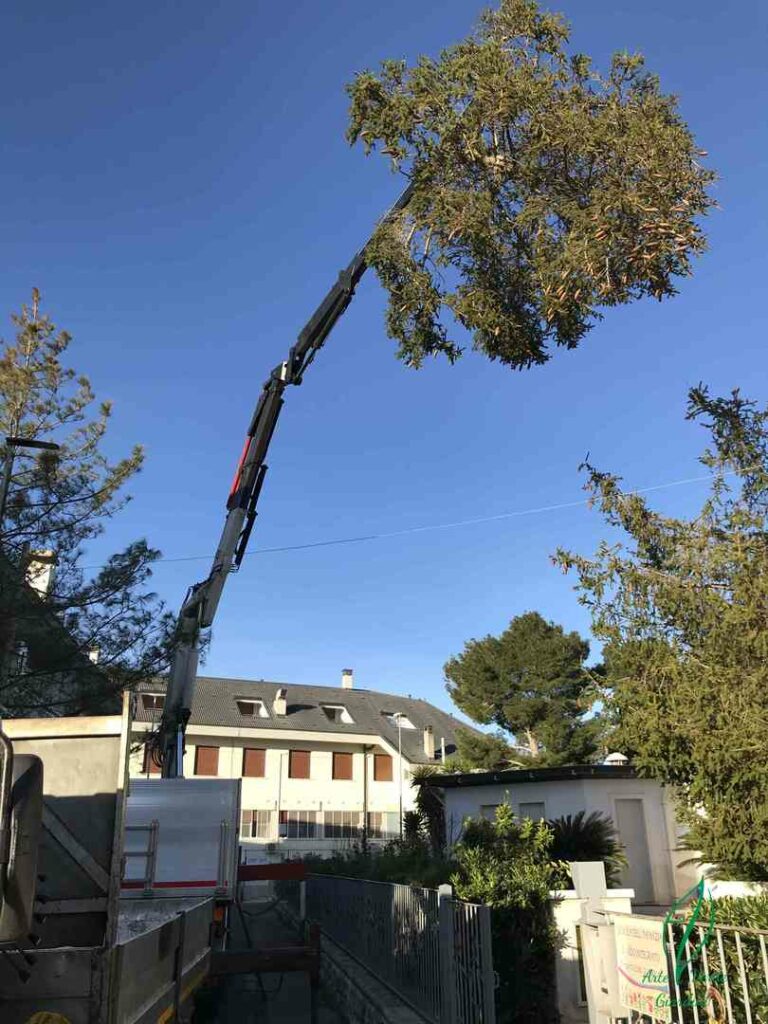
column 430, row 807
column 507, row 864
column 406, row 862
column 583, row 837
column 743, row 911
column 483, row 750
column 682, row 606
column 507, row 861
column 543, row 190
column 530, row 681
column 750, row 912
column 413, row 828
column 60, row 502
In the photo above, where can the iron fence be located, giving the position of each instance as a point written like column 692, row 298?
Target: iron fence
column 473, row 959
column 715, row 974
column 434, row 951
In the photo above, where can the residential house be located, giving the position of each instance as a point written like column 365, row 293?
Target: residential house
column 642, row 811
column 318, row 764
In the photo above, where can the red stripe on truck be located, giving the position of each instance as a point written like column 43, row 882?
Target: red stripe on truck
column 289, row 869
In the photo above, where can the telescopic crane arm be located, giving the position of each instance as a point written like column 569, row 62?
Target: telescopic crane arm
column 202, row 600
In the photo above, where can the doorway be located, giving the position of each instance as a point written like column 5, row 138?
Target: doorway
column 630, row 823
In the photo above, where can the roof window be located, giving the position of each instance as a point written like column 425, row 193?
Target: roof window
column 153, row 701
column 337, row 713
column 398, row 719
column 252, row 708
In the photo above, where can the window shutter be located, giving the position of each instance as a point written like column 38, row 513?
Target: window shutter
column 253, row 763
column 298, row 764
column 534, row 811
column 206, row 760
column 342, row 765
column 382, row 768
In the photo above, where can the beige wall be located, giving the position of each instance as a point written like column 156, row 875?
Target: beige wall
column 568, row 796
column 277, row 791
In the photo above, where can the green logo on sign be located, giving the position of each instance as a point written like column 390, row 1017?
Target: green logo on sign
column 684, row 956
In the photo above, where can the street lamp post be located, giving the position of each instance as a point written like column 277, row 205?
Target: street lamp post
column 400, row 767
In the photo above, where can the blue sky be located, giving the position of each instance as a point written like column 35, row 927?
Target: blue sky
column 176, row 181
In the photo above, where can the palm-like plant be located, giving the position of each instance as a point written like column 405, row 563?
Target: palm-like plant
column 589, row 837
column 429, row 804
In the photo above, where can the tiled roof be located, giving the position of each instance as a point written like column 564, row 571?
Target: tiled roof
column 215, row 704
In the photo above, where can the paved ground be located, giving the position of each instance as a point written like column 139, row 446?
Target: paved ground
column 264, row 999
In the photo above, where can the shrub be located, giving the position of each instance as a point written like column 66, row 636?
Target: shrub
column 430, row 806
column 748, row 912
column 400, row 861
column 507, row 864
column 580, row 837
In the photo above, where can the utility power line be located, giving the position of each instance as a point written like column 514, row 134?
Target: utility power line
column 430, row 527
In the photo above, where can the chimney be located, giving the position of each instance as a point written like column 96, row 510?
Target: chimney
column 40, row 569
column 280, row 704
column 429, row 743
column 347, row 678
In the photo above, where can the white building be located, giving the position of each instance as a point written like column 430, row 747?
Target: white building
column 642, row 811
column 317, row 763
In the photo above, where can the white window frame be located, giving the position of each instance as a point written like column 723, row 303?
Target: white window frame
column 154, row 696
column 398, row 719
column 302, row 824
column 259, row 707
column 348, row 824
column 381, row 831
column 343, row 716
column 530, row 803
column 258, row 826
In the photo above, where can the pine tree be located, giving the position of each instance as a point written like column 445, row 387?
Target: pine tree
column 57, row 502
column 484, row 750
column 543, row 191
column 531, row 682
column 682, row 605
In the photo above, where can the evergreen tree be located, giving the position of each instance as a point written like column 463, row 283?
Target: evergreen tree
column 484, row 750
column 530, row 681
column 543, row 190
column 682, row 606
column 57, row 502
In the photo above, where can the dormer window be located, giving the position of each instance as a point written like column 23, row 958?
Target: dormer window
column 252, row 708
column 337, row 713
column 153, row 701
column 398, row 719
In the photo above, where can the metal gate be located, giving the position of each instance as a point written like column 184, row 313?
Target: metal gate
column 432, row 950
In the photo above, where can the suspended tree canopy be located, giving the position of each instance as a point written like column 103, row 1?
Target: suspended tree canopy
column 543, row 190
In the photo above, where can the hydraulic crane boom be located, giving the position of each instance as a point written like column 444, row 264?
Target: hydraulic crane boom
column 202, row 600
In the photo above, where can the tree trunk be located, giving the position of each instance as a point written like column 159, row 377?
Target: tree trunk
column 533, row 743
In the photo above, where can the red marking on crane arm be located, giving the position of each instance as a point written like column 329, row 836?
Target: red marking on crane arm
column 238, row 471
